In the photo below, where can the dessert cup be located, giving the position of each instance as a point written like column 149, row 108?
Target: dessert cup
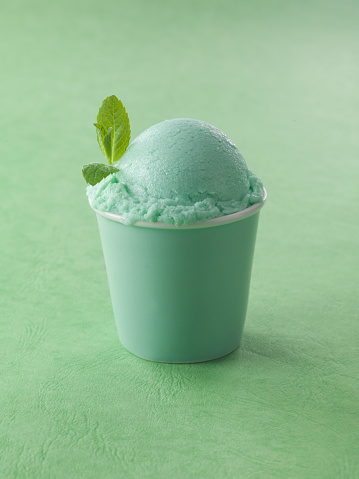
column 180, row 293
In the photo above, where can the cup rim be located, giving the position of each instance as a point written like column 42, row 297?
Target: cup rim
column 221, row 220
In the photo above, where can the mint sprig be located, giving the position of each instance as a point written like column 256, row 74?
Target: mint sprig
column 113, row 129
column 113, row 136
column 95, row 172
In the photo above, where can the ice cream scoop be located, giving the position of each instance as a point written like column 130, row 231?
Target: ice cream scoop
column 178, row 171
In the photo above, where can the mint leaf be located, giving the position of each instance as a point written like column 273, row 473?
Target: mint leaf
column 101, row 133
column 95, row 172
column 107, row 142
column 113, row 129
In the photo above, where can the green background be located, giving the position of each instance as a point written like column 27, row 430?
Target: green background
column 281, row 79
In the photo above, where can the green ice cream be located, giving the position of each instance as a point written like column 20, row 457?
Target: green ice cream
column 178, row 171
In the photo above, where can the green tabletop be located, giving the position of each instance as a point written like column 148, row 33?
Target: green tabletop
column 281, row 79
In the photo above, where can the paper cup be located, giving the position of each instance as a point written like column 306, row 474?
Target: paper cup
column 180, row 294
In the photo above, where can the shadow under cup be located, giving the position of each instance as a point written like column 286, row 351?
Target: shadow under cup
column 180, row 294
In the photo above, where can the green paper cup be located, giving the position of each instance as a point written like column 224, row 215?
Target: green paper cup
column 180, row 294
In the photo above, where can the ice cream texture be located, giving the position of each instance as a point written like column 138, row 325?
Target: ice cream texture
column 178, row 171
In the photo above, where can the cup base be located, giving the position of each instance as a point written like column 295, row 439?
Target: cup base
column 183, row 362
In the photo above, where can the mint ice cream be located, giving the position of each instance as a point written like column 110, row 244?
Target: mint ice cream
column 179, row 293
column 179, row 172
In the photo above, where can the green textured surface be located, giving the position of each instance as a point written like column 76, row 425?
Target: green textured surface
column 280, row 78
